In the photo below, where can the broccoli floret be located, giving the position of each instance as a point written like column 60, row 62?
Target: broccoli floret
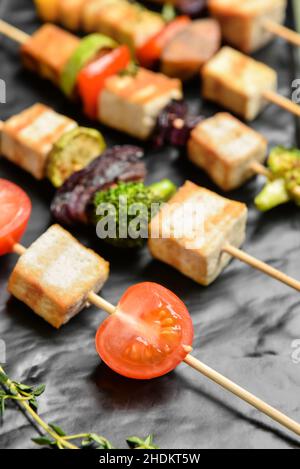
column 282, row 160
column 284, row 183
column 123, row 212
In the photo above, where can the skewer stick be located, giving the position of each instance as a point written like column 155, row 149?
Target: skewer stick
column 282, row 31
column 262, row 266
column 282, row 102
column 243, row 394
column 260, row 169
column 205, row 370
column 19, row 36
column 101, row 303
column 13, row 33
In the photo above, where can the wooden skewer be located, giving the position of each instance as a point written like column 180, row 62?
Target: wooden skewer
column 13, row 33
column 243, row 394
column 282, row 102
column 205, row 370
column 260, row 169
column 282, row 31
column 19, row 36
column 262, row 266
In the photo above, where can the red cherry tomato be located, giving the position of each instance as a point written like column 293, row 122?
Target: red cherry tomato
column 145, row 337
column 150, row 52
column 91, row 79
column 15, row 209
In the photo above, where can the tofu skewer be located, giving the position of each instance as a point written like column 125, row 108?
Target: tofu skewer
column 130, row 103
column 249, row 25
column 193, row 362
column 242, row 84
column 28, row 140
column 198, row 232
column 145, row 95
column 235, row 81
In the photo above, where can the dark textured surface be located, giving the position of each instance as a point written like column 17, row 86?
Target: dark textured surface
column 245, row 323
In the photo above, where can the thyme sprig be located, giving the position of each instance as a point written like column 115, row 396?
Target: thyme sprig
column 18, row 392
column 55, row 437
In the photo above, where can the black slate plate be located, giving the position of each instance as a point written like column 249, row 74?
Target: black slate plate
column 245, row 323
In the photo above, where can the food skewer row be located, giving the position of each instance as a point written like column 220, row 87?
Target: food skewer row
column 180, row 46
column 248, row 25
column 48, row 144
column 73, row 202
column 69, row 148
column 211, row 231
column 134, row 103
column 229, row 151
column 56, row 267
column 130, row 101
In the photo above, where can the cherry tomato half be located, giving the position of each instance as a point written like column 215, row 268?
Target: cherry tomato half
column 15, row 209
column 150, row 52
column 145, row 337
column 91, row 79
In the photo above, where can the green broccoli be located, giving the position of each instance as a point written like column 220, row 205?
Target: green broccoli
column 123, row 212
column 284, row 183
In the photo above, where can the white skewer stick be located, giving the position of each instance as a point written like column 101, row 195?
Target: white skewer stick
column 205, row 370
column 19, row 36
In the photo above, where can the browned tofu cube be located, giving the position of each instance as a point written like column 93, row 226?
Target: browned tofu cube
column 189, row 232
column 132, row 103
column 55, row 276
column 238, row 82
column 48, row 51
column 225, row 148
column 28, row 137
column 126, row 22
column 243, row 21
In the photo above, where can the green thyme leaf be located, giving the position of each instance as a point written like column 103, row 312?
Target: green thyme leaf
column 3, row 378
column 42, row 441
column 135, row 442
column 39, row 390
column 57, row 429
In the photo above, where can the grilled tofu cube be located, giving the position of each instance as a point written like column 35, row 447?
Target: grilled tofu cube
column 225, row 149
column 126, row 22
column 28, row 137
column 238, row 82
column 242, row 22
column 48, row 50
column 55, row 276
column 132, row 103
column 190, row 232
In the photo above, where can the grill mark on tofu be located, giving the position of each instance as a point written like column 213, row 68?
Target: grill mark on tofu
column 28, row 137
column 238, row 71
column 215, row 212
column 228, row 136
column 45, row 130
column 59, row 264
column 25, row 118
